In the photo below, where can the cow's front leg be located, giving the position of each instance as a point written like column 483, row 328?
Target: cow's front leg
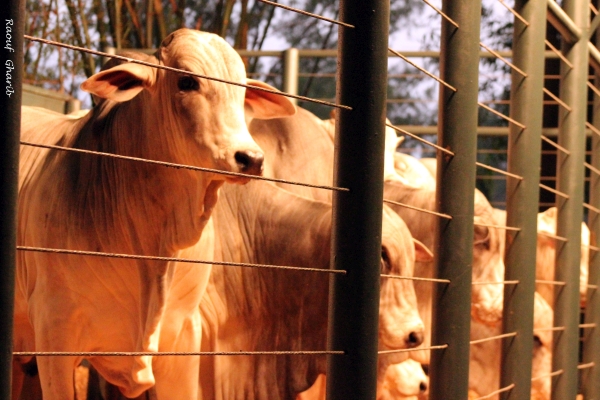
column 57, row 376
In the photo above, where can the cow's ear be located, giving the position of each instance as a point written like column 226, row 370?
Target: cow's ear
column 120, row 83
column 265, row 105
column 422, row 253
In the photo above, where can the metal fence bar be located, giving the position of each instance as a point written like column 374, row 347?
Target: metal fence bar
column 13, row 19
column 590, row 379
column 356, row 227
column 570, row 180
column 291, row 67
column 451, row 312
column 524, row 157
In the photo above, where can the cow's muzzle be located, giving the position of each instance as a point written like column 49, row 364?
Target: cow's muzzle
column 249, row 162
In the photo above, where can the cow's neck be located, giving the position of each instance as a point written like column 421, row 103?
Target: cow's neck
column 157, row 209
column 276, row 310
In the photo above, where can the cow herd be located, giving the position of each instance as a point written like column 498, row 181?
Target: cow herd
column 88, row 202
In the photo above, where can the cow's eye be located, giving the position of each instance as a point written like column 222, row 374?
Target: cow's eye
column 386, row 266
column 537, row 342
column 187, row 83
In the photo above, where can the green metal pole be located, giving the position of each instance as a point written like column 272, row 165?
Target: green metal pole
column 591, row 341
column 12, row 16
column 522, row 196
column 570, row 181
column 451, row 313
column 356, row 231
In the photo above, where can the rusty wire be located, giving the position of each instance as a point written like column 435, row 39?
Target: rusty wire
column 558, row 100
column 415, row 278
column 446, row 216
column 592, row 128
column 556, row 192
column 559, row 54
column 585, row 366
column 171, row 353
column 180, row 71
column 429, row 74
column 550, row 375
column 591, row 208
column 296, row 10
column 173, row 259
column 412, row 135
column 594, row 88
column 586, row 326
column 553, row 329
column 555, row 145
column 502, row 390
column 440, row 12
column 508, row 228
column 499, row 171
column 498, row 113
column 511, row 65
column 443, row 346
column 497, row 337
column 178, row 166
column 546, row 282
column 513, row 282
column 513, row 12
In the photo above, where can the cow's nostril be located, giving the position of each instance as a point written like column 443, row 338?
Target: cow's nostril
column 249, row 162
column 422, row 387
column 414, row 339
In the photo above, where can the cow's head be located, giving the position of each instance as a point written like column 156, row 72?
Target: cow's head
column 203, row 118
column 400, row 326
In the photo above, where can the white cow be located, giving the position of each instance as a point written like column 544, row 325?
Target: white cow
column 82, row 202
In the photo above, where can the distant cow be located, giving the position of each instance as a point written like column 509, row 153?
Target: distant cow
column 84, row 202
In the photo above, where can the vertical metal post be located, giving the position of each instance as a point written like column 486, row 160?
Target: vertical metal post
column 356, row 232
column 524, row 156
column 457, row 132
column 291, row 65
column 570, row 181
column 12, row 17
column 591, row 340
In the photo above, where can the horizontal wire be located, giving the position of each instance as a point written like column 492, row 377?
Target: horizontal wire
column 594, row 9
column 307, row 13
column 514, row 282
column 502, row 390
column 164, row 67
column 508, row 228
column 415, row 278
column 592, row 128
column 559, row 54
column 173, row 259
column 429, row 74
column 585, row 326
column 585, row 366
column 172, row 353
column 498, row 113
column 179, row 166
column 594, row 88
column 591, row 287
column 412, row 135
column 497, row 337
column 550, row 375
column 556, row 192
column 591, row 208
column 553, row 329
column 513, row 12
column 495, row 53
column 446, row 216
column 558, row 100
column 546, row 282
column 556, row 145
column 500, row 171
column 443, row 346
column 437, row 10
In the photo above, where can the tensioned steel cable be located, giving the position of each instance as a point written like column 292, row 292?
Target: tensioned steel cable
column 173, row 259
column 559, row 54
column 423, row 210
column 555, row 145
column 412, row 135
column 429, row 74
column 297, row 10
column 179, row 166
column 513, row 12
column 558, row 100
column 500, row 171
column 499, row 56
column 498, row 113
column 164, row 67
column 443, row 346
column 556, row 192
column 497, row 337
column 415, row 278
column 592, row 128
column 513, row 282
column 550, row 375
column 494, row 393
column 545, row 282
column 440, row 12
column 167, row 353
